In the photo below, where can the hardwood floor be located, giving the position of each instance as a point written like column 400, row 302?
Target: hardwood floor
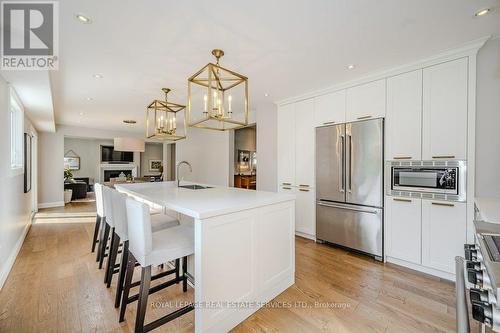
column 55, row 286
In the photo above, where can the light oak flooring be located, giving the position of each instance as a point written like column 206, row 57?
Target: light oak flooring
column 55, row 286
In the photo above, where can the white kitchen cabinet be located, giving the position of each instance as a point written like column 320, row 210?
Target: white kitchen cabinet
column 403, row 220
column 366, row 101
column 445, row 89
column 443, row 233
column 305, row 212
column 330, row 108
column 286, row 145
column 304, row 143
column 404, row 117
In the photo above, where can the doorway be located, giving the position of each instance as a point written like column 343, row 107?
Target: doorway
column 245, row 157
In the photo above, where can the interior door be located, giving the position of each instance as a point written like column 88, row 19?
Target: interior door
column 364, row 162
column 330, row 161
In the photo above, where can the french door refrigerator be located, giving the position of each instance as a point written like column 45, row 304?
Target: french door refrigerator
column 349, row 185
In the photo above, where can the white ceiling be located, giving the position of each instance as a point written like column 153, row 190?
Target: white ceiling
column 285, row 47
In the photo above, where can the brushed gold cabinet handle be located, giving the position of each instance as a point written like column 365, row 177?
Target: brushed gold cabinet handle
column 402, row 200
column 304, row 185
column 443, row 204
column 364, row 117
column 444, row 156
column 286, row 184
column 329, row 123
column 303, row 190
column 402, row 157
column 286, row 188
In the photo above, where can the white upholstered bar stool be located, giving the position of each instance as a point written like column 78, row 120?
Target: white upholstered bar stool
column 99, row 216
column 119, row 215
column 150, row 249
column 116, row 218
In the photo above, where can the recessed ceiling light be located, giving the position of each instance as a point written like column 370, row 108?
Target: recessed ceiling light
column 266, row 95
column 129, row 121
column 90, row 99
column 81, row 113
column 82, row 18
column 97, row 76
column 350, row 66
column 483, row 12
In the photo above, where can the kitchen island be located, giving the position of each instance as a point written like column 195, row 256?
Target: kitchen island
column 244, row 247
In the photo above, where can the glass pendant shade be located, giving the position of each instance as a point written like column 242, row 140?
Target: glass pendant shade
column 217, row 97
column 165, row 121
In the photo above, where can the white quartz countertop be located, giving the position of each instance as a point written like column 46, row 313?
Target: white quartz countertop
column 489, row 208
column 204, row 203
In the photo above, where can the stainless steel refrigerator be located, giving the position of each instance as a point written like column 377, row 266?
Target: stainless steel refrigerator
column 349, row 185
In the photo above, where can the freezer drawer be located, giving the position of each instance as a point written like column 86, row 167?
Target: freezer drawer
column 356, row 227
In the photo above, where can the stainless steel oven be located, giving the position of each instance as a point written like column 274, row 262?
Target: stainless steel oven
column 439, row 180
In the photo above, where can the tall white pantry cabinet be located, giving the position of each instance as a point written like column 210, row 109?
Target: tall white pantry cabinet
column 429, row 111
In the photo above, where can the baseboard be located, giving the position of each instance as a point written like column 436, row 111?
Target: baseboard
column 303, row 235
column 51, row 204
column 12, row 258
column 423, row 269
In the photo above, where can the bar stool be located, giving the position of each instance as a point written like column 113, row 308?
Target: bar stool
column 119, row 216
column 116, row 219
column 151, row 249
column 99, row 216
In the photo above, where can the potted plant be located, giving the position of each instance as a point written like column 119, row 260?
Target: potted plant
column 68, row 176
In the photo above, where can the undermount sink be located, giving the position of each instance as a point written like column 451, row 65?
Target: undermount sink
column 194, row 187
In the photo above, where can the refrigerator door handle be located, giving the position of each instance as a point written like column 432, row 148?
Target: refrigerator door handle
column 341, row 169
column 350, row 164
column 357, row 209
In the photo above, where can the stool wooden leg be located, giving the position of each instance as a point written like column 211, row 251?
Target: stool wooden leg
column 128, row 282
column 113, row 252
column 184, row 275
column 96, row 232
column 177, row 267
column 103, row 244
column 143, row 299
column 121, row 275
column 106, row 273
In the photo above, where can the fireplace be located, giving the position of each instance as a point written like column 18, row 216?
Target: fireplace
column 115, row 173
column 108, row 171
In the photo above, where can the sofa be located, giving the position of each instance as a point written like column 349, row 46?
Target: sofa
column 79, row 189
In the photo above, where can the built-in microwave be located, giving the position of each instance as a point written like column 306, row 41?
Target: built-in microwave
column 439, row 180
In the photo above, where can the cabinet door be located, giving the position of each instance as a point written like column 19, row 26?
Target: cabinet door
column 444, row 233
column 286, row 145
column 304, row 143
column 366, row 101
column 445, row 110
column 404, row 222
column 404, row 116
column 305, row 212
column 330, row 108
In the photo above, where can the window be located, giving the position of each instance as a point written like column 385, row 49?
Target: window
column 16, row 131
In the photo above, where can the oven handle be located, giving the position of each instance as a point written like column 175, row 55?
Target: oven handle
column 462, row 315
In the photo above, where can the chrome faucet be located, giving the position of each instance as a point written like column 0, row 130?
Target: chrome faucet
column 177, row 174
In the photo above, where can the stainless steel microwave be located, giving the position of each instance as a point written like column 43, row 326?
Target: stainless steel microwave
column 438, row 180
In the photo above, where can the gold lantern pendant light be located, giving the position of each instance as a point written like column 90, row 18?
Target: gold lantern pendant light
column 217, row 97
column 162, row 118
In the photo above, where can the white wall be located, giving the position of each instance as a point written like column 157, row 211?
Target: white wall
column 267, row 168
column 50, row 169
column 89, row 151
column 153, row 151
column 51, row 157
column 15, row 205
column 209, row 154
column 488, row 120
